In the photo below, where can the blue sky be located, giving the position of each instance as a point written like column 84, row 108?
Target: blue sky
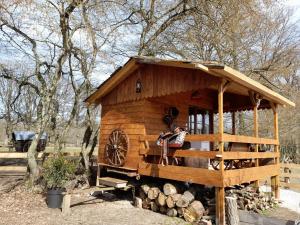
column 296, row 5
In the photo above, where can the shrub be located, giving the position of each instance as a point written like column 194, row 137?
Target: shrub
column 57, row 171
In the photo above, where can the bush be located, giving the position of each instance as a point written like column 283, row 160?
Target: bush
column 58, row 171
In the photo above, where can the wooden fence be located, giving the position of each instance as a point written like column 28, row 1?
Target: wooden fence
column 18, row 161
column 290, row 176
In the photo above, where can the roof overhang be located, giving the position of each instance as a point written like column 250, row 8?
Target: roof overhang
column 224, row 72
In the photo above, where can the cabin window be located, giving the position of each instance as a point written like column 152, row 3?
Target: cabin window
column 198, row 121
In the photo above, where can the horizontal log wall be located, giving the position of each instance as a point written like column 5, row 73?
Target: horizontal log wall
column 128, row 117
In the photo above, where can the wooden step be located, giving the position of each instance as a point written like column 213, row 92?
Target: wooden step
column 112, row 182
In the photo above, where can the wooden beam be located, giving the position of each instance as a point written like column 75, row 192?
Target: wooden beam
column 243, row 80
column 290, row 185
column 180, row 173
column 290, row 165
column 238, row 176
column 211, row 154
column 290, row 175
column 13, row 168
column 194, row 137
column 16, row 155
column 248, row 139
column 183, row 153
column 249, row 155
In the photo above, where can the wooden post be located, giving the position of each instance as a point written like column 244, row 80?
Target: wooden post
column 255, row 129
column 66, row 204
column 220, row 192
column 233, row 123
column 254, row 98
column 195, row 121
column 211, row 127
column 220, row 205
column 275, row 179
column 203, row 123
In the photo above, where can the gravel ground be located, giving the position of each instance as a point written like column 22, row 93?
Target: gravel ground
column 20, row 207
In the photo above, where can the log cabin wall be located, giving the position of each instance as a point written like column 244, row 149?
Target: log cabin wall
column 136, row 118
column 142, row 113
column 129, row 118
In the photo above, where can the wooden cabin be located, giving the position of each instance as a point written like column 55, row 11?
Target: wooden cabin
column 136, row 99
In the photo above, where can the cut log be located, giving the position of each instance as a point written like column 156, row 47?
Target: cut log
column 185, row 199
column 180, row 212
column 163, row 209
column 232, row 215
column 146, row 203
column 161, row 199
column 138, row 202
column 66, row 204
column 145, row 188
column 154, row 207
column 193, row 212
column 153, row 193
column 205, row 222
column 172, row 212
column 172, row 199
column 169, row 189
column 142, row 194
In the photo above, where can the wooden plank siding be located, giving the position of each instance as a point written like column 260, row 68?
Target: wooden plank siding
column 159, row 81
column 128, row 117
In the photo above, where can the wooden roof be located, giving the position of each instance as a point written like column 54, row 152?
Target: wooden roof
column 212, row 68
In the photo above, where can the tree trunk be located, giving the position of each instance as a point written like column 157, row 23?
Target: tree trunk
column 31, row 155
column 232, row 216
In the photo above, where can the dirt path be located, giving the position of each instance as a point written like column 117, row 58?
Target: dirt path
column 22, row 208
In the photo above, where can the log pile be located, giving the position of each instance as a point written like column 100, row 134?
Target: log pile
column 174, row 201
column 252, row 199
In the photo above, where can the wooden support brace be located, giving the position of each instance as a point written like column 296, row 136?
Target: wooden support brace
column 226, row 84
column 255, row 100
column 275, row 186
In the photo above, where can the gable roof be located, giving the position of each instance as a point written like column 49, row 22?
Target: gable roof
column 211, row 68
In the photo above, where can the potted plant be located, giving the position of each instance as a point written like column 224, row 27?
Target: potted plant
column 57, row 171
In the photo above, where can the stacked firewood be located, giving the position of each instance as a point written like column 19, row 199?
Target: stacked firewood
column 252, row 199
column 173, row 201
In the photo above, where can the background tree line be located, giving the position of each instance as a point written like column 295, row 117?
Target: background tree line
column 54, row 53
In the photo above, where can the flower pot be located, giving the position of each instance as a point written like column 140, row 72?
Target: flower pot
column 55, row 197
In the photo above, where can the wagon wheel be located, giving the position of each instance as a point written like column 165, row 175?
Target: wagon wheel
column 116, row 148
